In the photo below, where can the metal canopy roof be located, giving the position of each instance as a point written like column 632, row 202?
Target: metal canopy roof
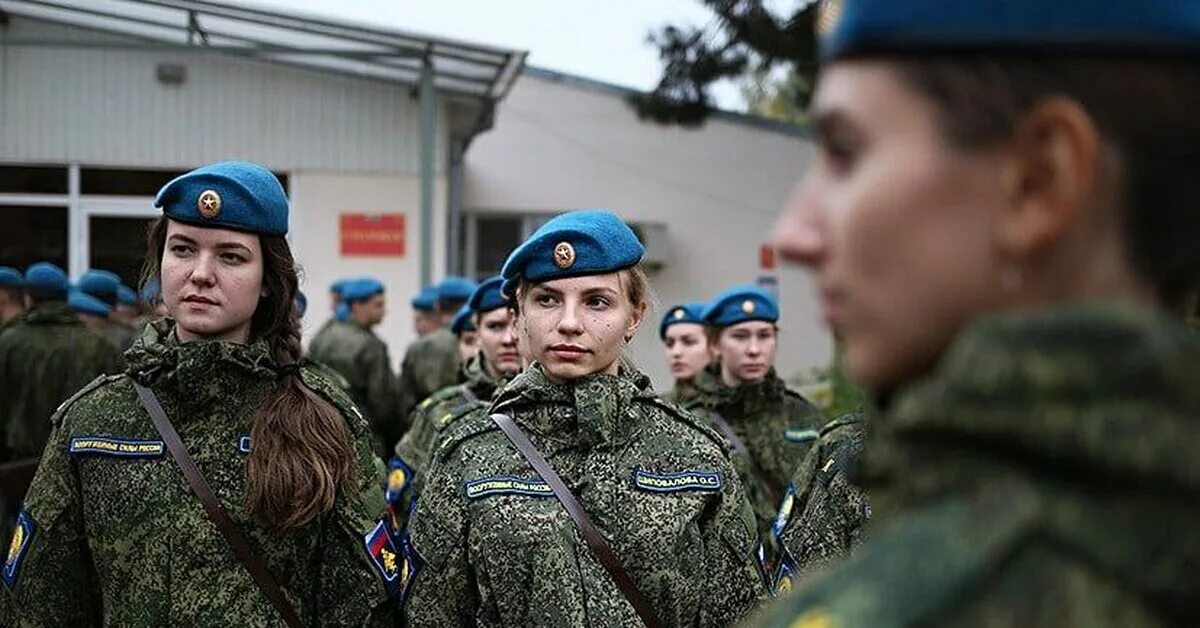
column 461, row 69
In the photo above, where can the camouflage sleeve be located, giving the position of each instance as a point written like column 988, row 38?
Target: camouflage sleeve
column 737, row 582
column 407, row 389
column 441, row 589
column 357, row 570
column 381, row 394
column 48, row 575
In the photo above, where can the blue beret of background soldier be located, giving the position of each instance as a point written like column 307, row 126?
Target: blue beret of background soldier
column 660, row 487
column 353, row 350
column 493, row 362
column 685, row 344
column 770, row 426
column 105, row 286
column 111, row 532
column 432, row 362
column 1003, row 235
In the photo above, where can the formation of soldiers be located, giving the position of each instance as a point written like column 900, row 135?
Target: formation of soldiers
column 1024, row 458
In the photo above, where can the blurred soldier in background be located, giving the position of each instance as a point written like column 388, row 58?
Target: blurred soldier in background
column 431, row 362
column 12, row 299
column 425, row 316
column 106, row 287
column 685, row 340
column 1004, row 237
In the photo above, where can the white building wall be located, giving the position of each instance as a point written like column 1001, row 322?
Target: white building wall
column 318, row 198
column 719, row 189
column 106, row 107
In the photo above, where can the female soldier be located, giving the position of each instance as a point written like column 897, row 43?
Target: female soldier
column 463, row 328
column 490, row 541
column 686, row 345
column 1002, row 234
column 769, row 425
column 111, row 533
column 494, row 364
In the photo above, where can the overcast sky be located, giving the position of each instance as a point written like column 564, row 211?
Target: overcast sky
column 598, row 39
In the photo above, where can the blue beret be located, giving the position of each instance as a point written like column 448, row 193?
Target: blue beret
column 585, row 242
column 462, row 321
column 126, row 296
column 85, row 303
column 361, row 289
column 487, row 296
column 301, row 304
column 10, row 277
column 151, row 291
column 100, row 283
column 425, row 300
column 1121, row 26
column 47, row 276
column 455, row 288
column 342, row 312
column 741, row 304
column 684, row 313
column 231, row 195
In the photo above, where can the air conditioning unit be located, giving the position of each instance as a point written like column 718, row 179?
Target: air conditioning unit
column 654, row 238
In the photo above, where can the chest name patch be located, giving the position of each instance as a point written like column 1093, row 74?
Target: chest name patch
column 121, row 447
column 482, row 487
column 676, row 482
column 23, row 532
column 799, row 435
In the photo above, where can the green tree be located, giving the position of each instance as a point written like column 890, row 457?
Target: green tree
column 777, row 97
column 745, row 38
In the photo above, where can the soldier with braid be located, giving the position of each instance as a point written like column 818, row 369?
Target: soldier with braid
column 112, row 534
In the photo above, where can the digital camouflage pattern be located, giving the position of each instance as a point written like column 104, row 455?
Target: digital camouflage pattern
column 120, row 540
column 361, row 358
column 490, row 546
column 683, row 393
column 44, row 358
column 777, row 426
column 825, row 510
column 431, row 418
column 430, row 364
column 1044, row 474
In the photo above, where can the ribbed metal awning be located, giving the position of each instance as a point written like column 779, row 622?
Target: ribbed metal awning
column 459, row 68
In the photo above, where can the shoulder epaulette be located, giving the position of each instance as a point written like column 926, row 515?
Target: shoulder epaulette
column 910, row 576
column 456, row 413
column 471, row 424
column 689, row 418
column 56, row 418
column 314, row 377
column 850, row 418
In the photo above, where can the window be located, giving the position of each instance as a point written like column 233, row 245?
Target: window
column 33, row 179
column 129, row 182
column 33, row 234
column 118, row 245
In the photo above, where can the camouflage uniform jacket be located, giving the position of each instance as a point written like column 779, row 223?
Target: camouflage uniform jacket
column 362, row 359
column 430, row 419
column 1044, row 474
column 430, row 364
column 44, row 358
column 683, row 393
column 824, row 511
column 776, row 425
column 112, row 535
column 491, row 546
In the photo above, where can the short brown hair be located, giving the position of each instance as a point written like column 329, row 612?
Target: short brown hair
column 1145, row 109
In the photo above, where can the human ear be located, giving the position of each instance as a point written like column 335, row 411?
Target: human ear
column 635, row 320
column 1047, row 179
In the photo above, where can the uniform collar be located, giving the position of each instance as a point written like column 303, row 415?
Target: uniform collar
column 594, row 410
column 200, row 370
column 739, row 401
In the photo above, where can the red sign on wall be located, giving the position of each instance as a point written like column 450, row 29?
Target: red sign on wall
column 766, row 257
column 372, row 234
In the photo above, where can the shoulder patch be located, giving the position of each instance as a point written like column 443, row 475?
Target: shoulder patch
column 800, row 435
column 56, row 418
column 676, row 482
column 385, row 559
column 399, row 476
column 506, row 485
column 23, row 531
column 785, row 511
column 118, row 447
